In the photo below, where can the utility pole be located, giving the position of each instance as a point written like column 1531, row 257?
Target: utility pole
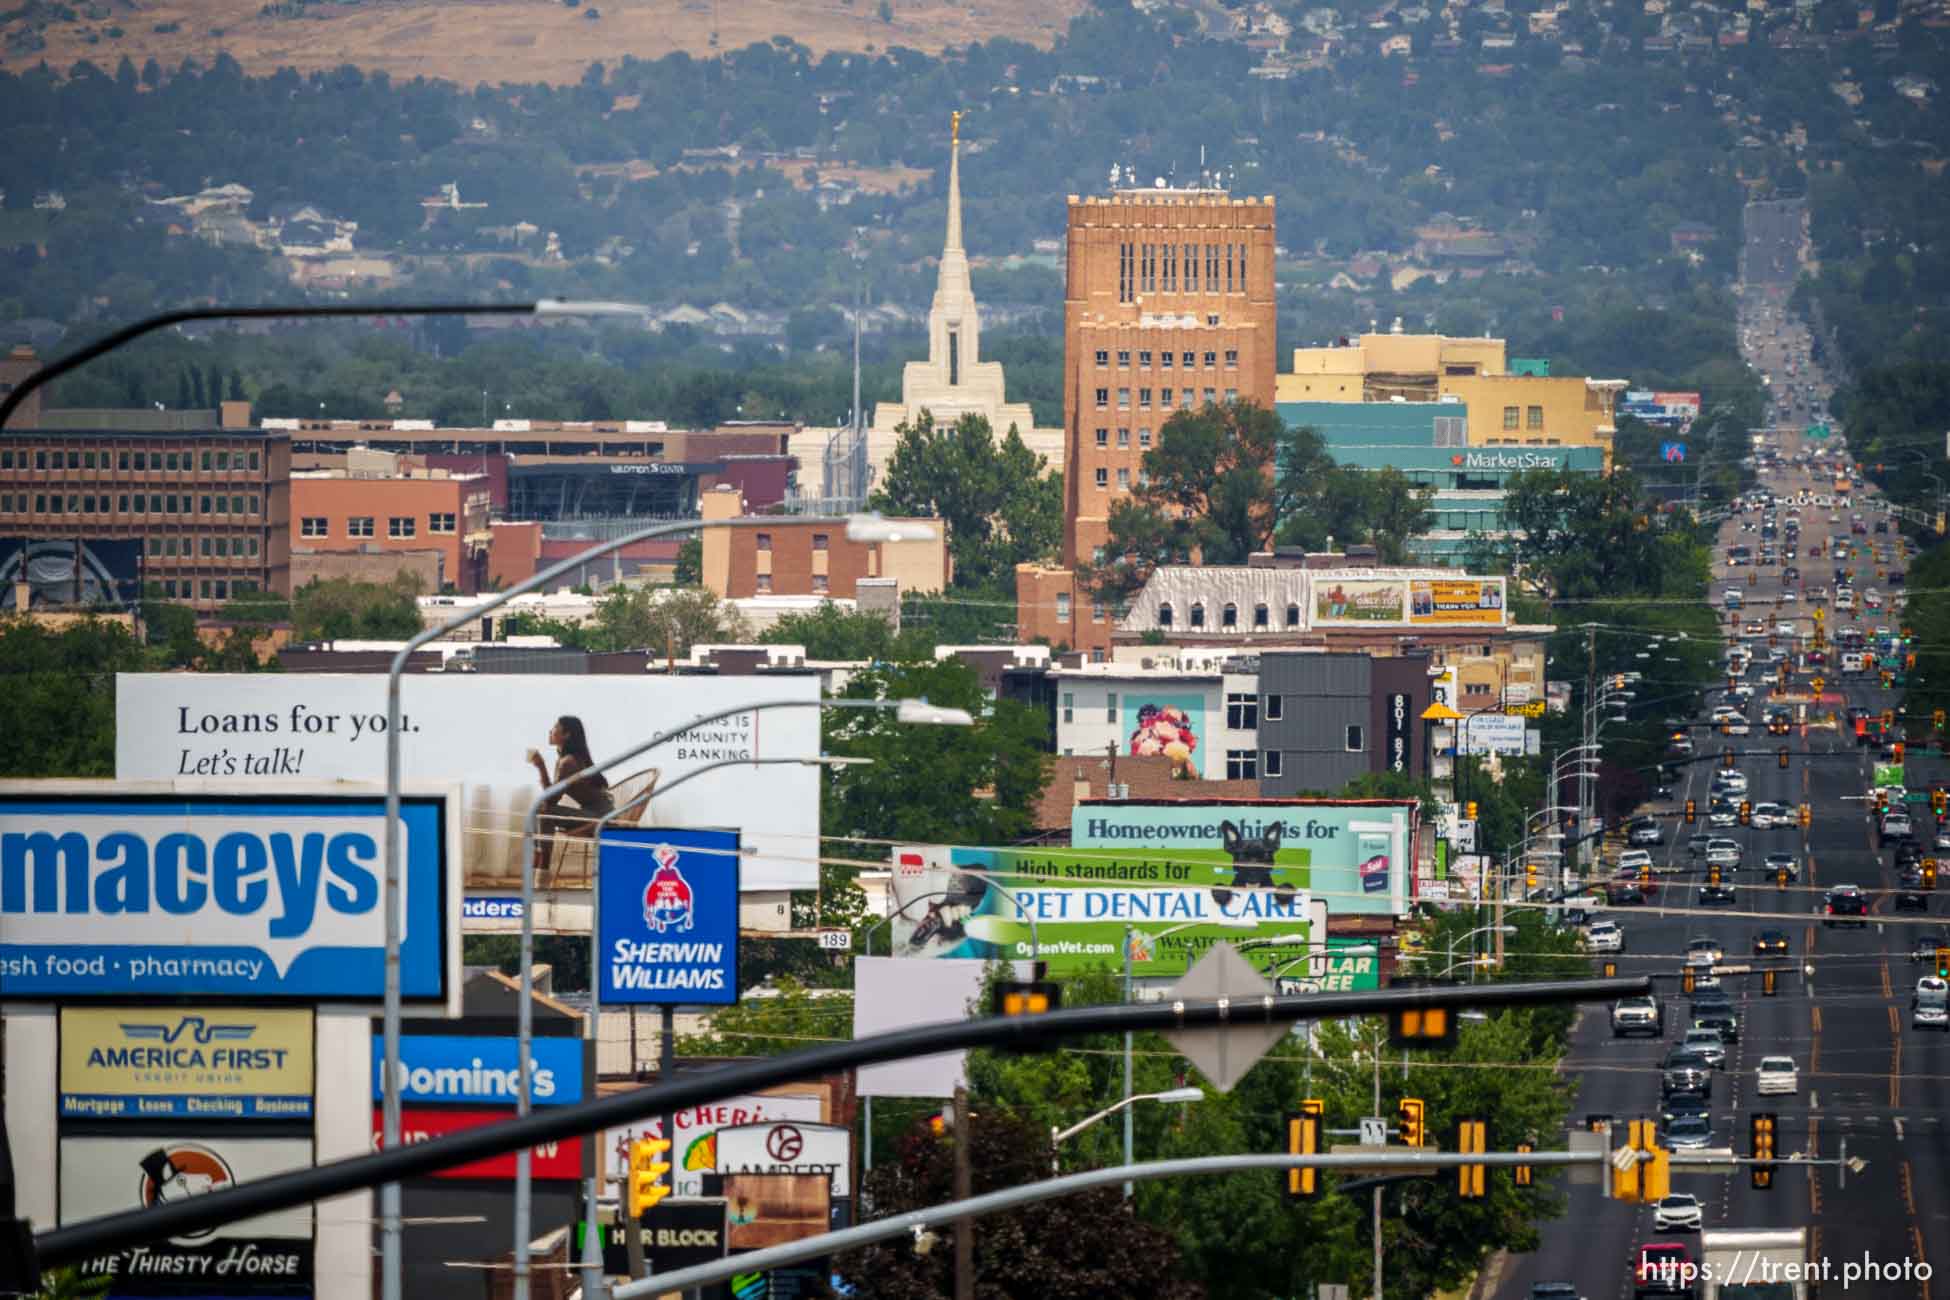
column 1590, row 732
column 1377, row 1190
column 964, row 1227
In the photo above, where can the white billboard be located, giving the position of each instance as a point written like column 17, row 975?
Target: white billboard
column 480, row 730
column 1491, row 733
column 694, row 1147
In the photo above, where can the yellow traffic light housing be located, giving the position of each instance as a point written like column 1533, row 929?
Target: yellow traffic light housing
column 1026, row 998
column 1713, row 874
column 1943, row 963
column 1422, row 1027
column 1898, row 747
column 1761, row 1129
column 1807, row 815
column 1687, row 979
column 1469, row 810
column 1411, row 1115
column 1525, row 1174
column 1746, row 813
column 1888, row 715
column 1472, row 1138
column 1692, row 811
column 1727, row 759
column 1781, row 755
column 648, row 1171
column 1780, row 878
column 1936, row 719
column 1303, row 1139
column 1768, row 978
column 1929, row 873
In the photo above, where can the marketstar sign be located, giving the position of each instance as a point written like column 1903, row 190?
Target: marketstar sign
column 1509, row 461
column 179, row 890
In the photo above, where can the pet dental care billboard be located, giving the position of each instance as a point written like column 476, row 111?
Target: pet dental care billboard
column 1071, row 908
column 157, row 890
column 488, row 732
column 1352, row 853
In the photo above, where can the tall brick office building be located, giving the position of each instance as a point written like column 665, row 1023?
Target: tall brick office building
column 1169, row 303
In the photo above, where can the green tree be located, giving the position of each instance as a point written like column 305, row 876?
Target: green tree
column 659, row 620
column 787, row 1016
column 340, row 609
column 689, row 571
column 831, row 632
column 57, row 709
column 1001, row 505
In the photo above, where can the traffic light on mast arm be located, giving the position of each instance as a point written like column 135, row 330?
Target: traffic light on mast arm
column 1692, row 811
column 1761, row 1130
column 1472, row 1138
column 1411, row 1117
column 648, row 1170
column 1303, row 1139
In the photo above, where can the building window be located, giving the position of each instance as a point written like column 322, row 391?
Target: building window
column 1124, row 398
column 122, row 504
column 6, row 460
column 1144, row 358
column 821, row 584
column 1103, row 437
column 1232, row 394
column 40, row 460
column 1164, row 399
column 223, row 589
column 1123, row 358
column 1126, row 273
column 1211, row 359
column 441, row 522
column 236, row 505
column 74, row 503
column 1229, row 616
column 1069, row 706
column 1110, row 707
column 1097, row 611
column 1211, row 396
column 1123, row 479
column 1232, row 358
column 1062, row 606
column 1509, row 417
column 169, row 547
column 1262, row 616
column 1103, row 358
column 1144, row 399
column 74, row 460
column 401, row 526
column 253, row 460
column 820, row 541
column 223, row 461
column 1103, row 477
column 1293, row 615
column 1274, row 709
column 1534, row 417
column 1123, row 436
column 40, row 503
column 1103, row 398
column 1242, row 712
column 1144, row 437
column 88, row 503
column 203, row 505
column 206, row 462
column 1164, row 358
column 204, row 591
column 1272, row 765
column 1198, row 614
column 1190, row 359
column 1356, row 742
column 764, row 541
column 359, row 526
column 205, row 547
column 314, row 526
column 1242, row 765
column 1164, row 614
column 251, row 549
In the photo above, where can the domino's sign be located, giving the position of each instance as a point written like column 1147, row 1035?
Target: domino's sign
column 147, row 890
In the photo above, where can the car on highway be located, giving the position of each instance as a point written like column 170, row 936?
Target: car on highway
column 1555, row 1291
column 1729, row 781
column 1704, row 951
column 1722, row 814
column 1604, row 936
column 1707, row 1043
column 1679, row 1212
column 1776, row 863
column 1845, row 905
column 1771, row 816
column 1929, row 1005
column 1684, row 1071
column 1722, row 852
column 1624, row 893
column 1644, row 832
column 1688, row 1133
column 1697, row 844
column 1720, row 1019
column 1911, row 900
column 1634, row 860
column 1664, row 1268
column 1926, row 943
column 1771, row 943
column 1683, row 1103
column 1776, row 1076
column 1943, row 839
column 1638, row 1015
column 1716, row 896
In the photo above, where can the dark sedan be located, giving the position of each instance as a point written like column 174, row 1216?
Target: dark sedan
column 1770, row 943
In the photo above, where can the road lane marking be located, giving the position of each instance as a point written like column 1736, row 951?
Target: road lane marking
column 1887, row 991
column 1896, row 1063
column 1916, row 1236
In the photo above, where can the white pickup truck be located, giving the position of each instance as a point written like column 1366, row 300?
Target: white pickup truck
column 1640, row 1015
column 1738, row 1263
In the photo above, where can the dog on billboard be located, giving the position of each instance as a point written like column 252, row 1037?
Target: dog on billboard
column 1252, row 861
column 944, row 924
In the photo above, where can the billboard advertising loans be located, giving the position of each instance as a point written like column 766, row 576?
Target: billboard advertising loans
column 469, row 1069
column 109, row 890
column 669, row 903
column 1354, row 854
column 481, row 730
column 1071, row 908
column 267, row 1255
column 178, row 1062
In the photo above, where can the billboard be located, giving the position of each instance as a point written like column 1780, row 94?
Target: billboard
column 1351, row 853
column 789, row 1147
column 669, row 917
column 270, row 1254
column 109, row 572
column 1436, row 601
column 1491, row 733
column 182, row 1062
column 1353, row 602
column 694, row 1148
column 112, row 890
column 464, row 1069
column 559, row 1161
column 772, row 1209
column 481, row 730
column 1171, row 725
column 1341, row 969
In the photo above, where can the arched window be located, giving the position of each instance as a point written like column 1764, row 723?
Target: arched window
column 1164, row 614
column 1229, row 617
column 1261, row 616
column 1198, row 614
column 1293, row 616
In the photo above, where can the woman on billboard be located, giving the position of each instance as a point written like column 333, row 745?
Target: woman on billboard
column 590, row 795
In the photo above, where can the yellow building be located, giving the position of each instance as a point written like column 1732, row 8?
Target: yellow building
column 1503, row 409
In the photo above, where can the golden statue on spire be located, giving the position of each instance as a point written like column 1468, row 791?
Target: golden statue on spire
column 954, row 127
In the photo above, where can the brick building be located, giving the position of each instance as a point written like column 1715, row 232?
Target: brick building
column 377, row 507
column 211, row 506
column 800, row 555
column 1169, row 304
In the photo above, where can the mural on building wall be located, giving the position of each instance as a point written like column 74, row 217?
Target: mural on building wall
column 1168, row 725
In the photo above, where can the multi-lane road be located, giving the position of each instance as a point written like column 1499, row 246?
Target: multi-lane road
column 1866, row 1077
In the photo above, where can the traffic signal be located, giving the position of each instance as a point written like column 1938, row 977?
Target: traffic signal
column 647, row 1183
column 1746, row 813
column 1524, row 1172
column 1530, row 875
column 1943, row 963
column 1781, row 756
column 1655, row 1174
column 1469, row 810
column 1422, row 1027
column 1611, row 970
column 1025, row 997
column 1929, row 873
column 1761, row 1128
column 1727, row 759
column 1692, row 811
column 1936, row 719
column 1625, row 1174
column 1411, row 1114
column 1780, row 878
column 1618, row 682
column 1938, row 800
column 1713, row 875
column 1472, row 1138
column 1687, row 979
column 1303, row 1139
column 1807, row 814
column 1767, row 979
column 1898, row 748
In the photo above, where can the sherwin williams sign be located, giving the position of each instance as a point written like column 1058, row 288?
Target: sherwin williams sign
column 669, row 902
column 1071, row 908
column 112, row 891
column 172, row 1062
column 466, row 1069
column 1355, row 852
